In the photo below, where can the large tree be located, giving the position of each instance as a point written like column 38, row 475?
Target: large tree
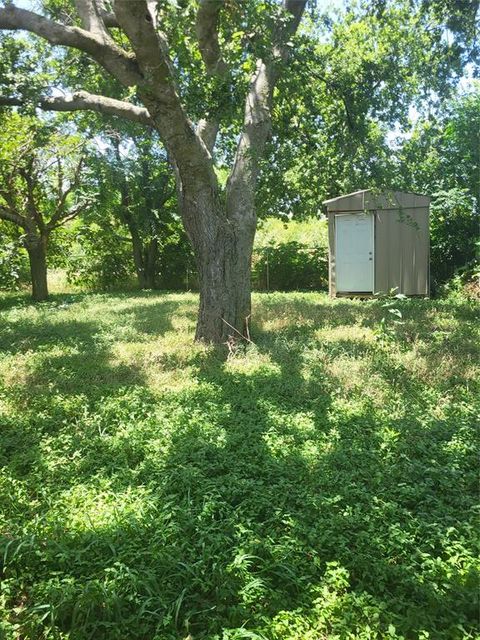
column 220, row 223
column 351, row 88
column 442, row 157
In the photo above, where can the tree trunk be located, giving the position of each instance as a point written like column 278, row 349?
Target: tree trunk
column 150, row 262
column 145, row 258
column 223, row 252
column 138, row 256
column 36, row 246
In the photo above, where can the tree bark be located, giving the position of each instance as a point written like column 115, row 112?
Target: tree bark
column 82, row 100
column 137, row 256
column 150, row 263
column 36, row 246
column 223, row 253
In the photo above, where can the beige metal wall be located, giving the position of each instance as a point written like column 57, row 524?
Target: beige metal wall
column 402, row 251
column 402, row 239
column 369, row 201
column 332, row 276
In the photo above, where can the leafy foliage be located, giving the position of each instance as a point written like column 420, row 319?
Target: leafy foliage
column 138, row 185
column 290, row 255
column 322, row 483
column 13, row 260
column 100, row 257
column 454, row 233
column 42, row 172
column 442, row 158
column 355, row 77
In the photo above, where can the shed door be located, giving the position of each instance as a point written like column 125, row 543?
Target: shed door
column 354, row 252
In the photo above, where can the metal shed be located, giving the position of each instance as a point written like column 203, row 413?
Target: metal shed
column 379, row 242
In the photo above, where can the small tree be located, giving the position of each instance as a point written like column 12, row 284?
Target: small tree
column 40, row 174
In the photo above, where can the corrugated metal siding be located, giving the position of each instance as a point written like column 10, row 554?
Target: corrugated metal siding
column 369, row 201
column 402, row 251
column 394, row 200
column 402, row 239
column 382, row 258
column 352, row 202
column 332, row 276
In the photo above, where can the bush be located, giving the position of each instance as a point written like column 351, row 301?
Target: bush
column 454, row 223
column 287, row 256
column 291, row 255
column 14, row 267
column 100, row 259
column 465, row 284
column 177, row 269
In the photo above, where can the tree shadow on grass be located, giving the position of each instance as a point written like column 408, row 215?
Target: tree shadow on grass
column 70, row 372
column 371, row 506
column 251, row 502
column 156, row 319
column 249, row 484
column 34, row 333
column 24, row 300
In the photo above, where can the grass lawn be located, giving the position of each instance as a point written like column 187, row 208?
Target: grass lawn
column 320, row 484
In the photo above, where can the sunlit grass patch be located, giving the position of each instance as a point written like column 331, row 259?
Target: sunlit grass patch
column 97, row 506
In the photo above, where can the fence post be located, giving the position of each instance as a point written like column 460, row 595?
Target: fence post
column 268, row 273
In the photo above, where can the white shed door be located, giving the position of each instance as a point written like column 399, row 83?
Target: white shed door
column 354, row 252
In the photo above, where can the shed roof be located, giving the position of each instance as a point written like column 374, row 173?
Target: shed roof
column 367, row 199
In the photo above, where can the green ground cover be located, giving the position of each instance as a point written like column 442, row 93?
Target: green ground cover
column 320, row 484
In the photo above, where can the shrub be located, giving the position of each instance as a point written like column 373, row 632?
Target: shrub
column 291, row 255
column 287, row 256
column 100, row 259
column 465, row 284
column 14, row 268
column 176, row 261
column 454, row 223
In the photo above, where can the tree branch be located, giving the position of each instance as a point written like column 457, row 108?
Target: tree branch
column 92, row 21
column 60, row 212
column 108, row 54
column 109, row 19
column 206, row 26
column 7, row 193
column 295, row 8
column 10, row 216
column 207, row 130
column 70, row 215
column 257, row 119
column 82, row 100
column 28, row 174
column 159, row 93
